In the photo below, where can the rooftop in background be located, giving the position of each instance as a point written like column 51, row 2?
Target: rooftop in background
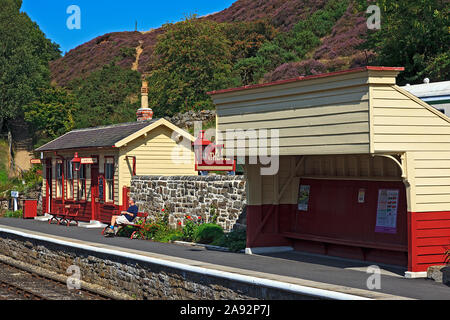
column 428, row 90
column 97, row 137
column 436, row 94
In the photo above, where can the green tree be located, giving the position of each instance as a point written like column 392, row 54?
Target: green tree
column 414, row 34
column 111, row 94
column 191, row 58
column 24, row 56
column 247, row 37
column 51, row 115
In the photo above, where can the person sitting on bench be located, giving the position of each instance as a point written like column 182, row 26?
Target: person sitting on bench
column 126, row 217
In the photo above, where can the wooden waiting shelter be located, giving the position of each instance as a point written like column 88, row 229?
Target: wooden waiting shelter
column 364, row 167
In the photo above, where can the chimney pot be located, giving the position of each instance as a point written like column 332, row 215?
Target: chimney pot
column 144, row 113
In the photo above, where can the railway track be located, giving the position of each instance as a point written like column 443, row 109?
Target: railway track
column 18, row 284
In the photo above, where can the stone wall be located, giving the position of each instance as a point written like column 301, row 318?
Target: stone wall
column 186, row 120
column 124, row 277
column 209, row 197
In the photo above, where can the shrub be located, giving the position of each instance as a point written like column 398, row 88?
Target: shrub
column 12, row 214
column 189, row 229
column 207, row 233
column 235, row 240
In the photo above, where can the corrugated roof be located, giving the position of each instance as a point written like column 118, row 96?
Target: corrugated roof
column 433, row 89
column 104, row 136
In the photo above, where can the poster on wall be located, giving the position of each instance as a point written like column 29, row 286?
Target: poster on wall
column 303, row 198
column 387, row 211
column 361, row 195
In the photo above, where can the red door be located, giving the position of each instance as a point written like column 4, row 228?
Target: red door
column 95, row 203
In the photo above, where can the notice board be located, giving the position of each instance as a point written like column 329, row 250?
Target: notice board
column 303, row 198
column 387, row 211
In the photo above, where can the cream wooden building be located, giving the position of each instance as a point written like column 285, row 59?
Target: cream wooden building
column 110, row 156
column 364, row 167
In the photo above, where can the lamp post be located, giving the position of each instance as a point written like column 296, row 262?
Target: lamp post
column 76, row 162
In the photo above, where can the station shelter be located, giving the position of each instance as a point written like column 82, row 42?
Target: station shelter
column 88, row 171
column 364, row 167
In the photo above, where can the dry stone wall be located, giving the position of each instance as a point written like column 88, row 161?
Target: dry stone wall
column 220, row 198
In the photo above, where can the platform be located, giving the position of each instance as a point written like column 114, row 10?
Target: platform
column 320, row 272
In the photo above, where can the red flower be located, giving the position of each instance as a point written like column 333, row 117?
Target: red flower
column 188, row 217
column 179, row 223
column 163, row 210
column 199, row 218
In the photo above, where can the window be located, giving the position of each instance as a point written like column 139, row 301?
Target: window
column 59, row 179
column 82, row 183
column 109, row 179
column 69, row 179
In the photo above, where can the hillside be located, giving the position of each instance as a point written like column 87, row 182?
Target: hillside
column 121, row 47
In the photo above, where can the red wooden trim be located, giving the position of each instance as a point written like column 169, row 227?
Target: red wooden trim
column 435, row 241
column 324, row 75
column 428, row 239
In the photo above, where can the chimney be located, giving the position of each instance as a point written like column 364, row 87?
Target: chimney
column 144, row 113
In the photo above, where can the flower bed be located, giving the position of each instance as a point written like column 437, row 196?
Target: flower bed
column 192, row 230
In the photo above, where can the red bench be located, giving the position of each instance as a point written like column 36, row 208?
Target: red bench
column 138, row 226
column 69, row 214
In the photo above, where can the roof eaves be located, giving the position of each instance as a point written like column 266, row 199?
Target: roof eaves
column 311, row 77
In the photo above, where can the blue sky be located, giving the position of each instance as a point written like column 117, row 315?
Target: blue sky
column 101, row 16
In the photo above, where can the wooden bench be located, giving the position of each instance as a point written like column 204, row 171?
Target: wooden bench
column 351, row 243
column 68, row 215
column 138, row 226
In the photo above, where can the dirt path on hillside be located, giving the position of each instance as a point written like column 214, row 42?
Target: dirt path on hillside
column 139, row 51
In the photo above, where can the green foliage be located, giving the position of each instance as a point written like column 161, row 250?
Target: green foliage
column 52, row 114
column 189, row 230
column 27, row 180
column 3, row 162
column 127, row 52
column 13, row 214
column 414, row 34
column 250, row 69
column 24, row 56
column 111, row 94
column 213, row 214
column 207, row 233
column 191, row 58
column 291, row 46
column 322, row 21
column 235, row 240
column 247, row 37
